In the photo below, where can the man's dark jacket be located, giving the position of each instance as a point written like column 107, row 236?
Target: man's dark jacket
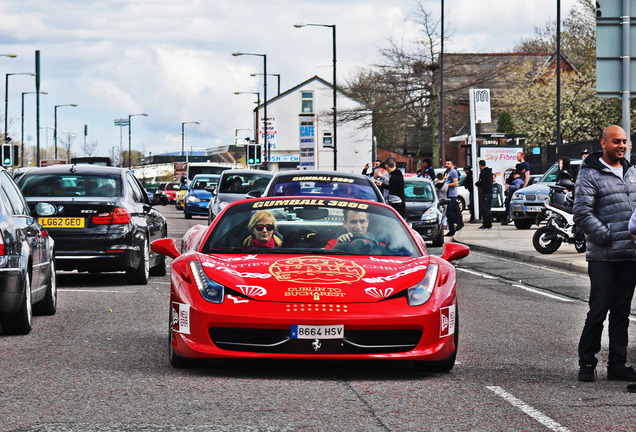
column 603, row 204
column 485, row 181
column 396, row 187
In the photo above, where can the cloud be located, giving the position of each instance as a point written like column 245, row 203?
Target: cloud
column 172, row 58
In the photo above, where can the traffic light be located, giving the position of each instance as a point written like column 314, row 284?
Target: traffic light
column 258, row 154
column 251, row 154
column 6, row 154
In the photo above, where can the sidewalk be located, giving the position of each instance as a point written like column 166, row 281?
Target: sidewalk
column 508, row 241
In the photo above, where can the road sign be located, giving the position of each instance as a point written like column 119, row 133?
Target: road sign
column 610, row 49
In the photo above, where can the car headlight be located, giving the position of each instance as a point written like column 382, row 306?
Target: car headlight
column 542, row 197
column 222, row 205
column 192, row 198
column 210, row 290
column 421, row 293
column 517, row 196
column 430, row 215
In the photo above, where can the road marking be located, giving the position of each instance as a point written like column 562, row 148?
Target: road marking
column 516, row 285
column 484, row 275
column 93, row 291
column 542, row 293
column 532, row 412
column 540, row 267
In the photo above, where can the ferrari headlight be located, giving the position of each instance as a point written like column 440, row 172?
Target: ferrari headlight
column 192, row 198
column 421, row 293
column 430, row 215
column 209, row 289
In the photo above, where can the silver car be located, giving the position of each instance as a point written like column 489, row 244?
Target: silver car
column 527, row 203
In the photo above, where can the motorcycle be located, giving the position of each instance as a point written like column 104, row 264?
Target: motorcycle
column 560, row 227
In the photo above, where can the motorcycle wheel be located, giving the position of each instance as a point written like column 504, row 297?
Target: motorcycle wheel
column 579, row 246
column 543, row 245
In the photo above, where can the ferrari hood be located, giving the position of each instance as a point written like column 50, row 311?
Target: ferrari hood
column 314, row 278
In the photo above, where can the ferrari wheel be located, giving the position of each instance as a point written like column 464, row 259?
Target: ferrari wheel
column 176, row 361
column 443, row 365
column 48, row 306
column 140, row 275
column 21, row 322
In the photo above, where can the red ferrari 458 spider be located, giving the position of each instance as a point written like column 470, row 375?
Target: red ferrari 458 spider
column 299, row 277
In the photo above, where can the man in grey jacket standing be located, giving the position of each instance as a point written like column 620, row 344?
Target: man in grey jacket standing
column 605, row 198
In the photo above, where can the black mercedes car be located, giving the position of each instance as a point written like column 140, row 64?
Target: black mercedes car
column 27, row 263
column 100, row 218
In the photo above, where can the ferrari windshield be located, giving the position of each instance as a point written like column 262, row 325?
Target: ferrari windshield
column 321, row 226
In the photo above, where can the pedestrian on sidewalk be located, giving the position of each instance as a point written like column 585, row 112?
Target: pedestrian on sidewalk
column 468, row 184
column 453, row 215
column 604, row 201
column 396, row 184
column 485, row 195
column 441, row 188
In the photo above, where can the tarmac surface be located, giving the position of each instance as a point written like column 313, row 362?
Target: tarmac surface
column 508, row 241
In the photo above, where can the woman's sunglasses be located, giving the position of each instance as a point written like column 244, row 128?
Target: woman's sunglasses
column 268, row 227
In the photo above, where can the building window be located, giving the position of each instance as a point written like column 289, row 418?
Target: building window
column 307, row 101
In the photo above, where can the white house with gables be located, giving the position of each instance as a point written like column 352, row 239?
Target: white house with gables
column 300, row 129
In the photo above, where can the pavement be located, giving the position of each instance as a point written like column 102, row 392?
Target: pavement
column 508, row 241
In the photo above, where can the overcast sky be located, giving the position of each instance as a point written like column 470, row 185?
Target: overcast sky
column 172, row 58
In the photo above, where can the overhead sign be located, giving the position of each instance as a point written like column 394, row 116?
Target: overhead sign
column 609, row 47
column 482, row 105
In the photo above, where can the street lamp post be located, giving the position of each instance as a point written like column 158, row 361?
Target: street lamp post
column 46, row 132
column 129, row 135
column 258, row 103
column 6, row 106
column 276, row 75
column 55, row 126
column 335, row 92
column 22, row 126
column 266, row 146
column 183, row 135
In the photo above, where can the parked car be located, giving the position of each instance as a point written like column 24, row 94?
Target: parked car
column 27, row 262
column 527, row 203
column 422, row 209
column 179, row 200
column 150, row 192
column 197, row 197
column 378, row 295
column 100, row 218
column 234, row 185
column 171, row 190
column 159, row 196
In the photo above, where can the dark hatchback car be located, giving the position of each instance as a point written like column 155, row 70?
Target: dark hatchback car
column 100, row 218
column 422, row 209
column 234, row 185
column 27, row 263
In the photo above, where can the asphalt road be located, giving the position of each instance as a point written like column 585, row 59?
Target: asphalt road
column 101, row 364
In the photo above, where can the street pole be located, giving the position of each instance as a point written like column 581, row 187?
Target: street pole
column 335, row 91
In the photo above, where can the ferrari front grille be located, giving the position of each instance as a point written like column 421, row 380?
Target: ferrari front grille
column 280, row 341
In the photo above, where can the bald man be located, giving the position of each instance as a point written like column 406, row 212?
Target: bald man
column 604, row 200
